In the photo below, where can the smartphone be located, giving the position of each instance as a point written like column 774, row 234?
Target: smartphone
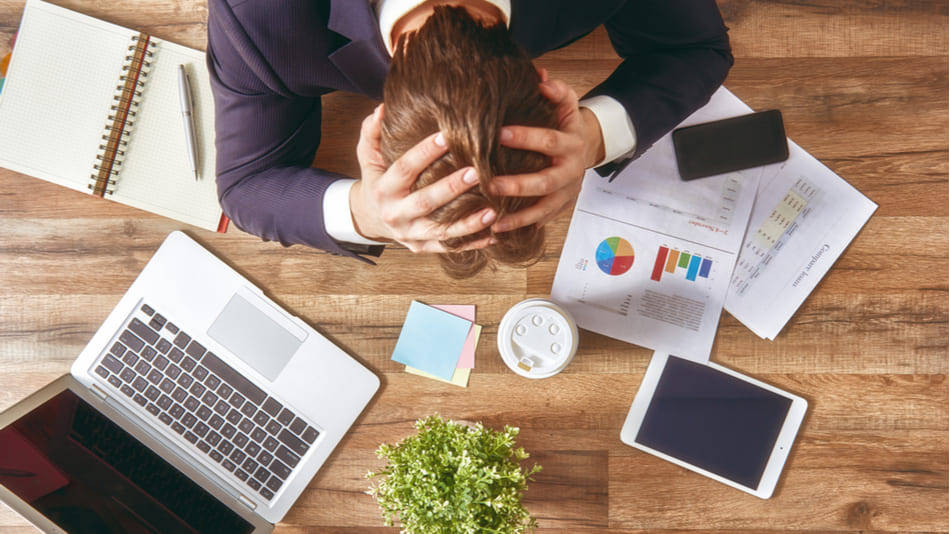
column 730, row 144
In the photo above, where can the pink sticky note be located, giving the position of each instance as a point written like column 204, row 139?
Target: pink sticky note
column 465, row 311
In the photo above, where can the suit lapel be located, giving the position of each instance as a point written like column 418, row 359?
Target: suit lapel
column 364, row 61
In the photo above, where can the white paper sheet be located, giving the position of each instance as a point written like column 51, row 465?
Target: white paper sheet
column 616, row 275
column 804, row 217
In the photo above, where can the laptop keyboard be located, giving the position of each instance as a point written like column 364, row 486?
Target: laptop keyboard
column 250, row 435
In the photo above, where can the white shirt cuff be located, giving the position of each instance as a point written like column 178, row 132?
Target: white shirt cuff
column 337, row 218
column 620, row 138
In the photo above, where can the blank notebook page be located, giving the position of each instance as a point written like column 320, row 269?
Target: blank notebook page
column 56, row 102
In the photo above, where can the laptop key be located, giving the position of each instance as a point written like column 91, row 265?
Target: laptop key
column 177, row 411
column 234, row 416
column 225, row 447
column 274, row 483
column 267, row 494
column 272, row 407
column 176, row 355
column 286, row 416
column 262, row 474
column 160, row 363
column 157, row 322
column 164, row 402
column 114, row 380
column 213, row 437
column 210, row 399
column 252, row 448
column 216, row 456
column 228, row 465
column 140, row 400
column 200, row 429
column 118, row 349
column 179, row 395
column 248, row 409
column 253, row 484
column 188, row 364
column 246, row 425
column 130, row 358
column 163, row 345
column 173, row 371
column 112, row 364
column 127, row 391
column 225, row 391
column 189, row 420
column 216, row 421
column 143, row 367
column 271, row 444
column 235, row 379
column 195, row 350
column 204, row 447
column 127, row 375
column 241, row 474
column 240, row 440
column 102, row 371
column 280, row 469
column 287, row 456
column 212, row 382
column 310, row 435
column 261, row 418
column 139, row 384
column 265, row 457
column 178, row 428
column 131, row 341
column 185, row 380
column 152, row 409
column 148, row 353
column 293, row 442
column 191, row 437
column 143, row 331
column 228, row 431
column 191, row 403
column 236, row 400
column 171, row 328
column 181, row 340
column 155, row 376
column 152, row 393
column 258, row 435
column 203, row 413
column 237, row 456
column 197, row 389
column 201, row 373
column 165, row 418
column 273, row 427
column 147, row 309
column 222, row 407
column 249, row 465
column 167, row 385
column 298, row 426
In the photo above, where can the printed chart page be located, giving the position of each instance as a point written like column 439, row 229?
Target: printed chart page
column 804, row 217
column 648, row 257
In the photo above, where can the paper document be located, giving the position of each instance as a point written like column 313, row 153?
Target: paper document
column 648, row 257
column 804, row 217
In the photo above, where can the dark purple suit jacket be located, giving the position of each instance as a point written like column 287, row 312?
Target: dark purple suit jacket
column 270, row 62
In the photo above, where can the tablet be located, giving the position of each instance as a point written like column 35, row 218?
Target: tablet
column 714, row 421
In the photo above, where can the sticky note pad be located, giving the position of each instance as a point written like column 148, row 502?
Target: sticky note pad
column 459, row 378
column 465, row 311
column 431, row 340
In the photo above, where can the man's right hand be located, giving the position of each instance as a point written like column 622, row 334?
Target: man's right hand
column 384, row 207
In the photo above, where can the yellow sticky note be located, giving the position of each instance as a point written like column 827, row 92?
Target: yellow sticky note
column 459, row 378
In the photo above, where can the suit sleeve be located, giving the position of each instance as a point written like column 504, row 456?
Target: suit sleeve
column 266, row 138
column 675, row 55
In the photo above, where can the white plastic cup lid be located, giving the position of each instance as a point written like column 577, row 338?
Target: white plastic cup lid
column 537, row 338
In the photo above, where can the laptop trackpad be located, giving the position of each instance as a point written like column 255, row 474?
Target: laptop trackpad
column 254, row 337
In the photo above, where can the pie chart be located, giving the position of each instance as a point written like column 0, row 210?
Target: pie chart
column 614, row 256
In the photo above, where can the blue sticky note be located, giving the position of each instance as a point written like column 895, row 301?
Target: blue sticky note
column 431, row 340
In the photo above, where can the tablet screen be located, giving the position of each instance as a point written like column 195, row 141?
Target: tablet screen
column 713, row 421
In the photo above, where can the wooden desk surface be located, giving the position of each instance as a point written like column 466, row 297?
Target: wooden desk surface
column 862, row 86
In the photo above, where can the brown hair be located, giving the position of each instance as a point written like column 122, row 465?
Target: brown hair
column 467, row 80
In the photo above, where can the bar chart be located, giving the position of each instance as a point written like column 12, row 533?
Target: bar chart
column 670, row 260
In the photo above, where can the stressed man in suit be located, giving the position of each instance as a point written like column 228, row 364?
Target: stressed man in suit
column 270, row 63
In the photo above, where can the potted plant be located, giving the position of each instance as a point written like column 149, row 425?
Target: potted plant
column 456, row 478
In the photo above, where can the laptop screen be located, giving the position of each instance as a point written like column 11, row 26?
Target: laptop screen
column 85, row 473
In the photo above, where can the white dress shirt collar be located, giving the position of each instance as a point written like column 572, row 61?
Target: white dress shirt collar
column 390, row 11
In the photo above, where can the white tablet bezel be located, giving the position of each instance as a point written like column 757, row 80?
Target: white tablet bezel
column 783, row 444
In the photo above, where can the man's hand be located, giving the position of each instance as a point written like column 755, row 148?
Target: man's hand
column 576, row 145
column 384, row 207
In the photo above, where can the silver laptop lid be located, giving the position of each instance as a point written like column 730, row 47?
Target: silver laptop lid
column 72, row 463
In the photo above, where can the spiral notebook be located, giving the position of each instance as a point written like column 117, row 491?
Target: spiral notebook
column 95, row 107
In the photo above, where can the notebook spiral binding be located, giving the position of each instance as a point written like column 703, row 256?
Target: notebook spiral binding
column 122, row 113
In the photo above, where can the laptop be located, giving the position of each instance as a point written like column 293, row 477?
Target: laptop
column 199, row 406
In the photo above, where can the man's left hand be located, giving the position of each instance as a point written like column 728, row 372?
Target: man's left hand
column 576, row 145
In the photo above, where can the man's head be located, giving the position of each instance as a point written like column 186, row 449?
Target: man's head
column 463, row 78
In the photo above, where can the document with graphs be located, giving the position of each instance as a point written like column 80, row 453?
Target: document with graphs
column 804, row 217
column 648, row 258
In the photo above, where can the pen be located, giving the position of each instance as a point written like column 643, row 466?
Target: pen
column 184, row 91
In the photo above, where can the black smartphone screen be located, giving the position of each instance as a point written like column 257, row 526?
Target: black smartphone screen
column 730, row 144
